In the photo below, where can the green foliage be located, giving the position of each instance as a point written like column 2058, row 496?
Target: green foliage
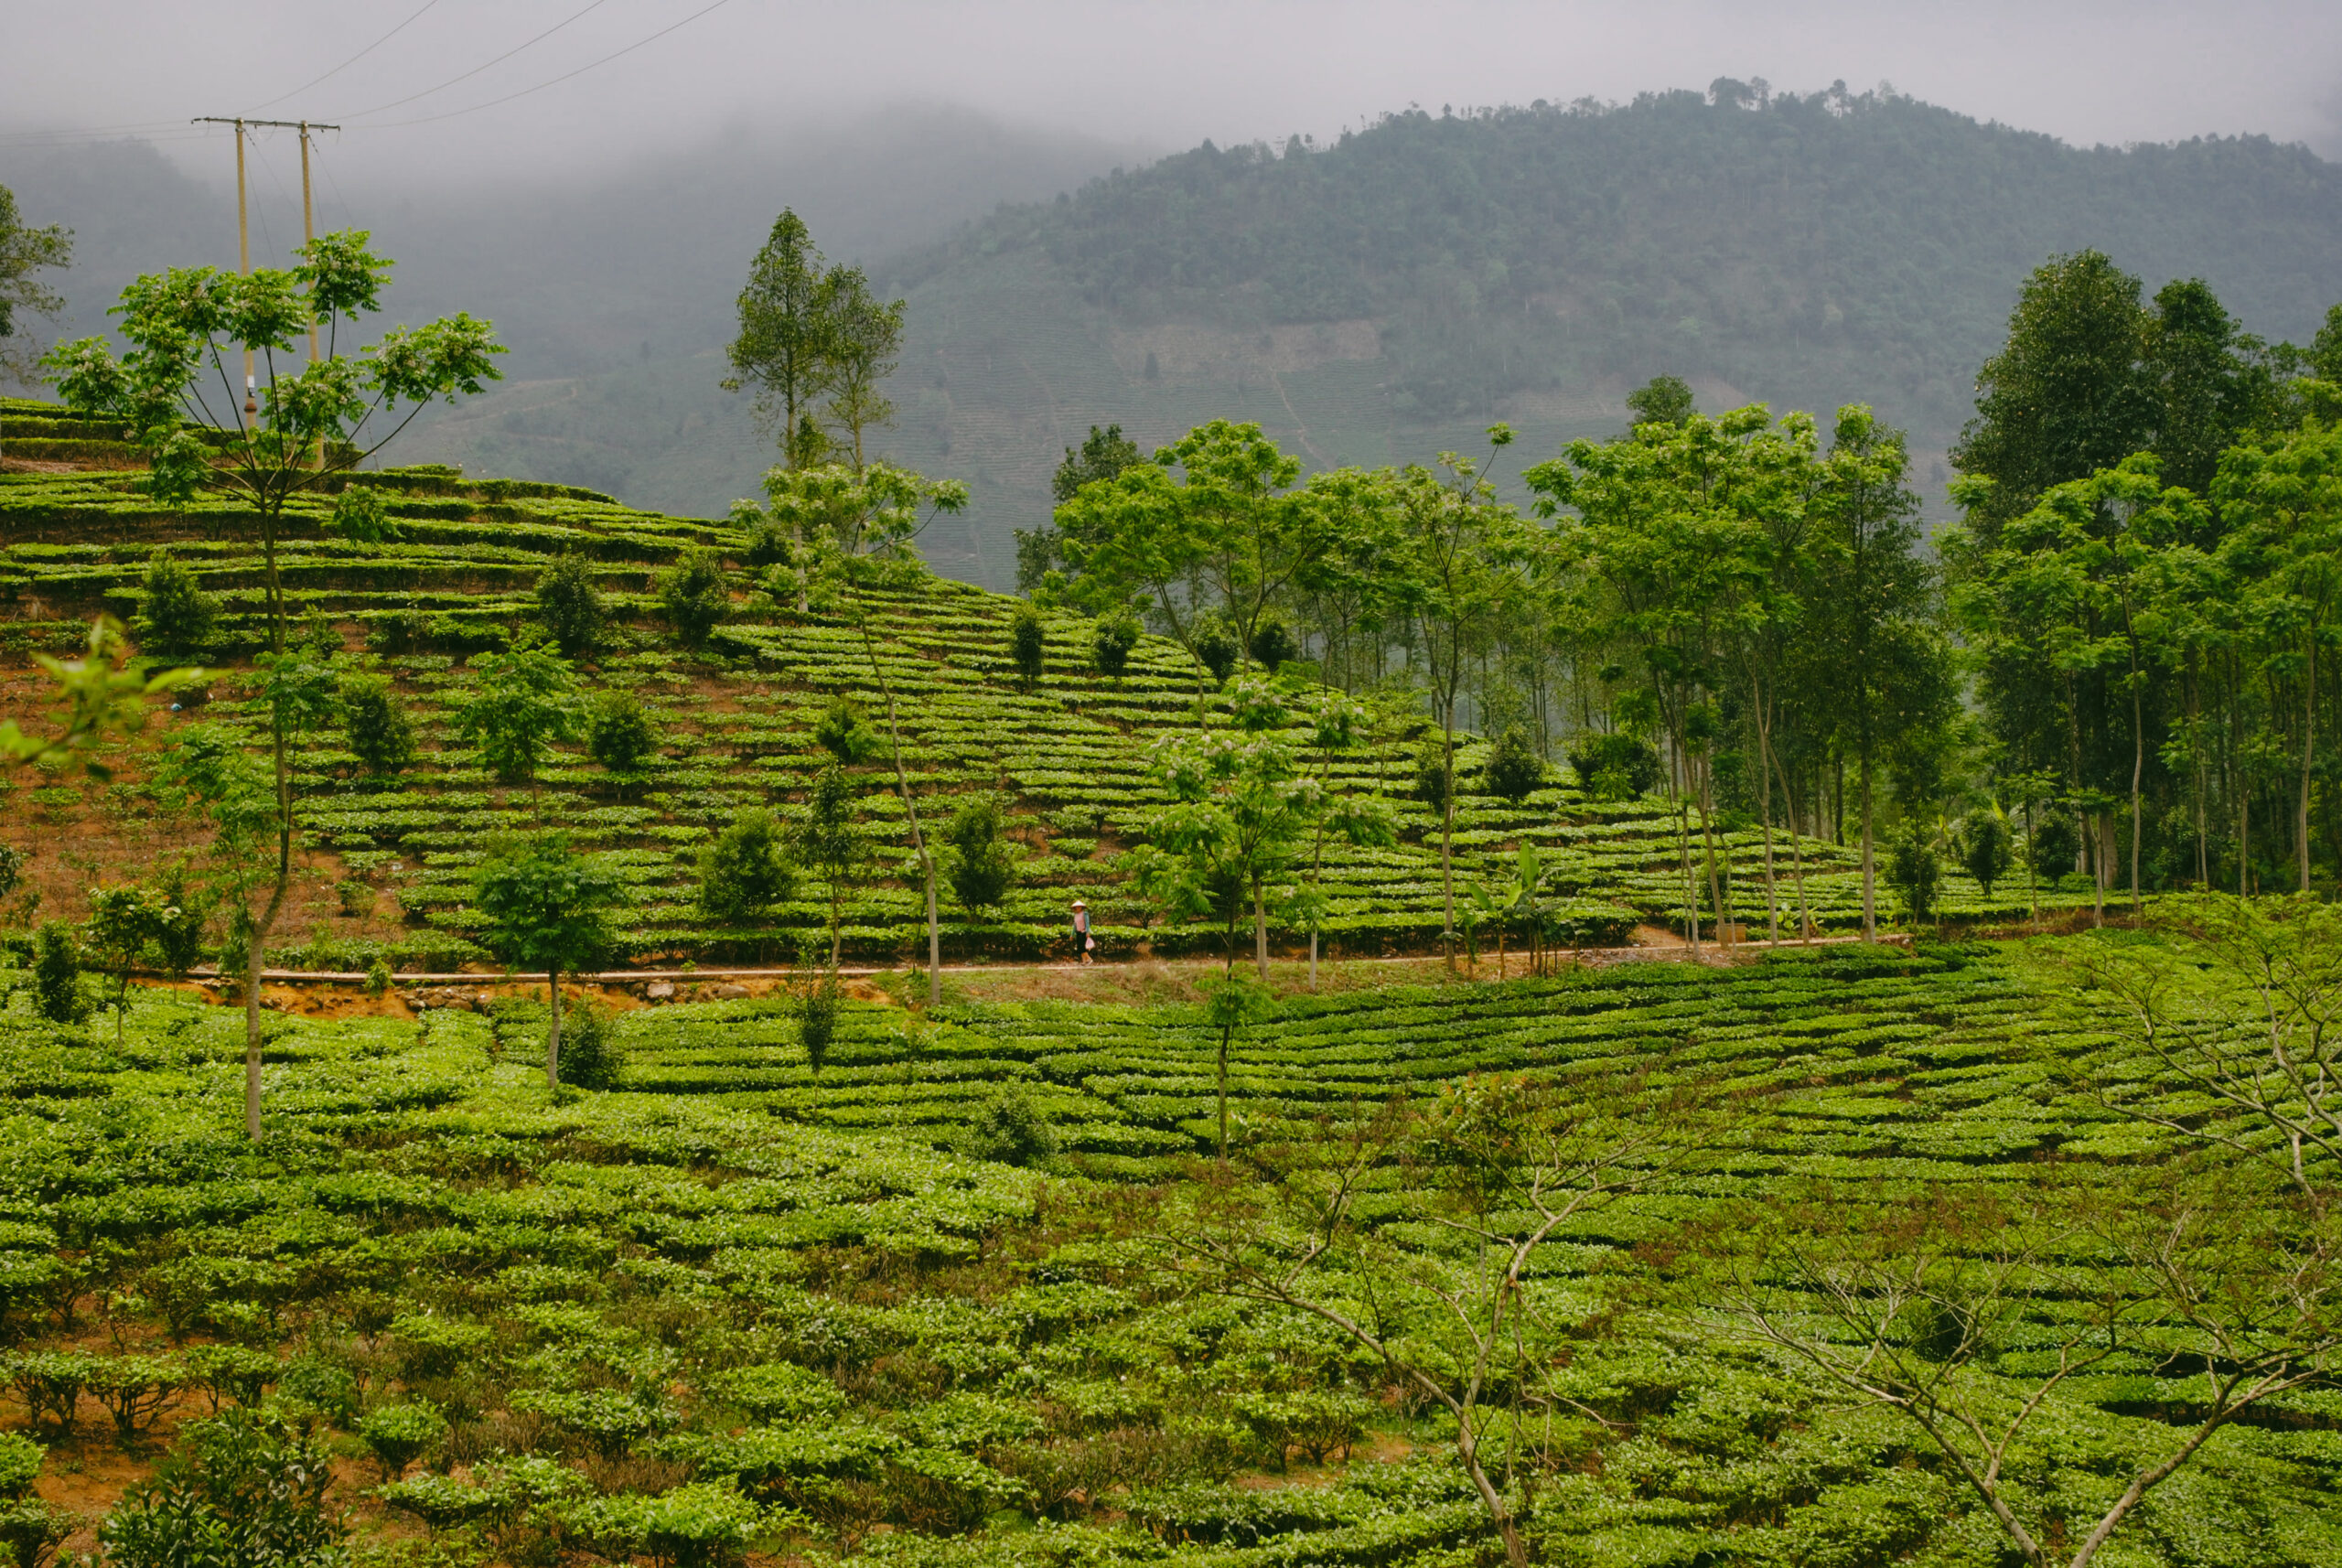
column 745, row 871
column 542, row 905
column 1662, row 400
column 1102, row 455
column 1433, row 785
column 780, row 1391
column 569, row 604
column 174, row 615
column 25, row 250
column 359, row 516
column 242, row 1487
column 399, row 1435
column 376, row 726
column 700, row 1525
column 1984, row 851
column 521, row 703
column 32, row 1529
column 20, row 1462
column 378, row 976
column 1009, row 1127
column 694, row 596
column 1217, row 649
column 1612, row 766
column 1028, row 641
column 815, row 1000
column 1110, row 641
column 619, row 734
column 1513, row 768
column 1915, row 873
column 57, row 974
column 982, row 865
column 844, row 731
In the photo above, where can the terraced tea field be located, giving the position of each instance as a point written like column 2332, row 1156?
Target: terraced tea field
column 1071, row 754
column 780, row 1309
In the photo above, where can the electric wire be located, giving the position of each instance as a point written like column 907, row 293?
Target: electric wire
column 576, row 16
column 353, row 60
column 654, row 38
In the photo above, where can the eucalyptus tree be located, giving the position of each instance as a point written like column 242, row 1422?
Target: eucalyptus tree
column 1209, row 531
column 290, row 432
column 2281, row 501
column 861, row 529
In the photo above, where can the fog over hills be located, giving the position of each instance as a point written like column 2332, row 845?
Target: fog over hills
column 1369, row 299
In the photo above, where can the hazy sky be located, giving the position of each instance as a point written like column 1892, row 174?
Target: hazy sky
column 1130, row 71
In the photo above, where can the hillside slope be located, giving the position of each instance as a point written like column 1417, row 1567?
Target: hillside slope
column 1071, row 754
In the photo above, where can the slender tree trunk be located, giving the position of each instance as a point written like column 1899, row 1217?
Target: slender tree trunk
column 2032, row 888
column 257, row 957
column 1447, row 838
column 2101, row 833
column 1797, row 853
column 1716, row 899
column 1765, row 813
column 2309, row 752
column 1313, row 957
column 2138, row 766
column 1870, row 861
column 1259, row 931
column 918, row 839
column 552, row 1035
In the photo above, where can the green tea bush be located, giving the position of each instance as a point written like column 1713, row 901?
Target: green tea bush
column 780, row 1391
column 569, row 604
column 703, row 1524
column 1111, row 642
column 57, row 974
column 746, row 870
column 590, row 1056
column 359, row 516
column 619, row 732
column 135, row 1388
column 694, row 596
column 1027, row 643
column 376, row 726
column 1009, row 1128
column 844, row 731
column 399, row 1435
column 243, row 1488
column 1513, row 768
column 981, row 863
column 174, row 615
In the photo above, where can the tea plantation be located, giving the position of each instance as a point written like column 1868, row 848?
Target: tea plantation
column 920, row 1305
column 734, row 724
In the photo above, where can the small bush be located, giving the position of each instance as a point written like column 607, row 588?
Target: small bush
column 570, row 605
column 1027, row 644
column 745, row 871
column 133, row 1389
column 1111, row 642
column 590, row 1058
column 1273, row 643
column 399, row 1435
column 179, row 919
column 1514, row 768
column 619, row 734
column 1984, row 848
column 815, row 1000
column 1009, row 1128
column 1914, row 872
column 360, row 517
column 353, row 897
column 1432, row 780
column 246, row 1489
column 174, row 615
column 844, row 731
column 377, row 976
column 981, row 864
column 1216, row 649
column 32, row 1529
column 57, row 975
column 780, row 1391
column 2054, row 847
column 693, row 596
column 20, row 1462
column 380, row 735
column 1614, row 766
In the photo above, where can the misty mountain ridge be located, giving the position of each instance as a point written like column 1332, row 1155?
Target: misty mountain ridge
column 1373, row 298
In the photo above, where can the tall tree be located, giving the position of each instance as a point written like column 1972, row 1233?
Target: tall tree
column 865, row 343
column 862, row 528
column 2069, row 394
column 2211, row 383
column 784, row 348
column 25, row 250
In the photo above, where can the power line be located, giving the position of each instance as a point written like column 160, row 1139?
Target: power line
column 353, row 60
column 508, row 54
column 426, row 119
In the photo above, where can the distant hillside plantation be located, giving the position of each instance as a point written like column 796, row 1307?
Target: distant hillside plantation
column 1387, row 294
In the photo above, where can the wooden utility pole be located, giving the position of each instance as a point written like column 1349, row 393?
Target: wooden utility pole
column 243, row 230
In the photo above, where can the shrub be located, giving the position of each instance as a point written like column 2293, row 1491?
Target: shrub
column 1027, row 642
column 693, row 596
column 1984, row 848
column 1216, row 649
column 1432, row 783
column 1009, row 1128
column 1514, row 767
column 609, row 1420
column 1273, row 643
column 360, row 517
column 1614, row 766
column 133, row 1389
column 245, row 1488
column 51, row 1382
column 32, row 1529
column 768, row 544
column 2055, row 845
column 780, row 1391
column 237, row 1372
column 354, row 897
column 174, row 615
column 377, row 976
column 700, row 1525
column 747, row 869
column 380, row 735
column 178, row 924
column 844, row 731
column 1111, row 642
column 570, row 605
column 398, row 1434
column 590, row 1058
column 1914, row 872
column 20, row 1461
column 815, row 998
column 982, row 865
column 619, row 734
column 57, row 975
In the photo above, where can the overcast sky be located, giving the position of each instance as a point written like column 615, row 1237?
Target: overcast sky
column 1134, row 72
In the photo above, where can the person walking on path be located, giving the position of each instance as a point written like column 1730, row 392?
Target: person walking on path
column 1083, row 944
